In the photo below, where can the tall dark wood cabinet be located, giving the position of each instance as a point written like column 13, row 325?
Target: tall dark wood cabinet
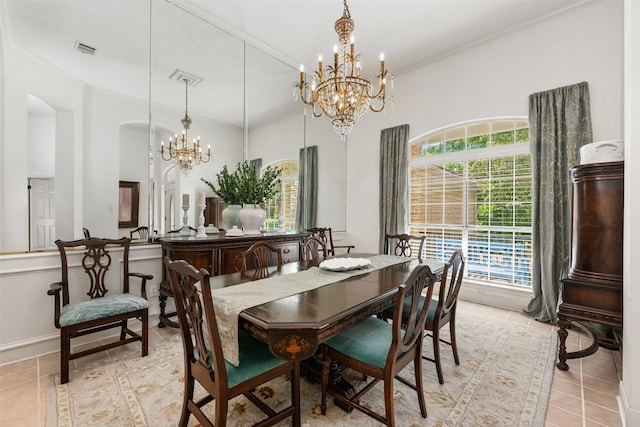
column 592, row 283
column 213, row 211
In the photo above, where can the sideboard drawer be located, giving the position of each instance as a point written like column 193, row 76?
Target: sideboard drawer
column 290, row 252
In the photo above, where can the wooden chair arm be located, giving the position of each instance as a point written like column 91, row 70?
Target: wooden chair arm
column 143, row 285
column 348, row 247
column 55, row 289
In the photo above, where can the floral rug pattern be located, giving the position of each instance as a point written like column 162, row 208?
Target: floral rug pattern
column 503, row 379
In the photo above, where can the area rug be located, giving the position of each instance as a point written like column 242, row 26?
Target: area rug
column 503, row 379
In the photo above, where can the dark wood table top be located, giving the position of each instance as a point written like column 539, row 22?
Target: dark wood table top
column 294, row 326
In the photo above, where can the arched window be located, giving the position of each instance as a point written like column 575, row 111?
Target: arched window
column 470, row 187
column 283, row 207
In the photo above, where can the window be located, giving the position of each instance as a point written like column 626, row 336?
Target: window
column 285, row 202
column 470, row 188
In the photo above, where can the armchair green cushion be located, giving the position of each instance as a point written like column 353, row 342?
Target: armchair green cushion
column 100, row 308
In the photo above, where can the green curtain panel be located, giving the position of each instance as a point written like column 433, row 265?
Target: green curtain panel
column 307, row 208
column 559, row 124
column 394, row 190
column 256, row 164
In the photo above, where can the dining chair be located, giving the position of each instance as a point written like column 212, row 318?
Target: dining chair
column 86, row 233
column 142, row 233
column 380, row 350
column 311, row 247
column 401, row 245
column 204, row 362
column 180, row 229
column 442, row 311
column 326, row 235
column 257, row 260
column 102, row 311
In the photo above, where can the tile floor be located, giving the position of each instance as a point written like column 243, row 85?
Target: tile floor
column 584, row 396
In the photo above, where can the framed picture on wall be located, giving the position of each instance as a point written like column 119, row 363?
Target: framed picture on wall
column 128, row 204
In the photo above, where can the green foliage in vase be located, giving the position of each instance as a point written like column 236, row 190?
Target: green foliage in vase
column 228, row 187
column 245, row 186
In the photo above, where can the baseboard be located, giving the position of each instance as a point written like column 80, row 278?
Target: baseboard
column 506, row 297
column 628, row 416
column 40, row 346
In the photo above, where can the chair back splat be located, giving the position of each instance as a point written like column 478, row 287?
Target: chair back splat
column 204, row 362
column 104, row 309
column 401, row 245
column 380, row 350
column 311, row 248
column 257, row 260
column 141, row 233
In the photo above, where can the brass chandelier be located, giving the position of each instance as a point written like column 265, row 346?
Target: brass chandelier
column 186, row 157
column 339, row 91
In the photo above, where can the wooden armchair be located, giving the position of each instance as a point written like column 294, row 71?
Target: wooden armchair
column 401, row 245
column 325, row 234
column 142, row 233
column 103, row 310
column 258, row 258
column 204, row 362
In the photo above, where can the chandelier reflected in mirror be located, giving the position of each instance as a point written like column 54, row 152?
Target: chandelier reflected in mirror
column 185, row 156
column 339, row 91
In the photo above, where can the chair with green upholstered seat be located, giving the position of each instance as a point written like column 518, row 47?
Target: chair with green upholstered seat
column 204, row 361
column 443, row 310
column 380, row 350
column 104, row 310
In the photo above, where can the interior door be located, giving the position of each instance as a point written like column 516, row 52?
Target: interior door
column 42, row 213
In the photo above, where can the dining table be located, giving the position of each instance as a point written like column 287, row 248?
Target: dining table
column 294, row 325
column 302, row 305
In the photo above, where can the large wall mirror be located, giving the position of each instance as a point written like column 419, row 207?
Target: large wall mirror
column 77, row 122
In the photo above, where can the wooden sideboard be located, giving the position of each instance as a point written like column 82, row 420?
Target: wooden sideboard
column 592, row 283
column 219, row 254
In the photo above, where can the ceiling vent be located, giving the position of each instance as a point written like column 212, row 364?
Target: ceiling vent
column 180, row 76
column 85, row 48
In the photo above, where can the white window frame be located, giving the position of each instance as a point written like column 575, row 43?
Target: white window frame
column 465, row 156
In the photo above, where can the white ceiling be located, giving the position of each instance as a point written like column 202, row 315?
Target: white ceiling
column 409, row 32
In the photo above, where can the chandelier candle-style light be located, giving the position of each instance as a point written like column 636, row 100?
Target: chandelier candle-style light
column 339, row 91
column 186, row 157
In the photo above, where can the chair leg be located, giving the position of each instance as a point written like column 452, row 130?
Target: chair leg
column 123, row 329
column 145, row 333
column 452, row 332
column 222, row 406
column 324, row 381
column 417, row 365
column 188, row 396
column 65, row 351
column 436, row 354
column 388, row 402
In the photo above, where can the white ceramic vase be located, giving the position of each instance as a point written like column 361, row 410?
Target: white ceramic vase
column 231, row 216
column 252, row 218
